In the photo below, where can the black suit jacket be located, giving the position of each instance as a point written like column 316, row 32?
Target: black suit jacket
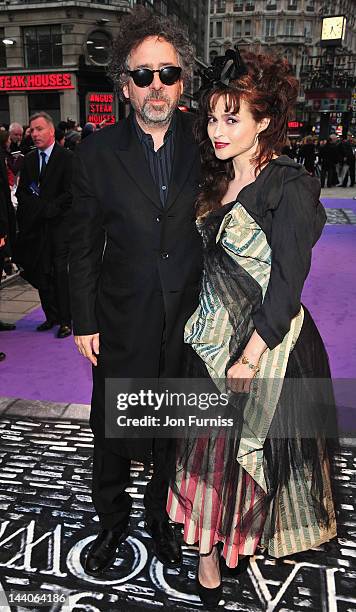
column 42, row 219
column 134, row 267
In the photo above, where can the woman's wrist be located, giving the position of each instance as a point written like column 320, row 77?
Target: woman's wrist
column 253, row 356
column 254, row 349
column 252, row 365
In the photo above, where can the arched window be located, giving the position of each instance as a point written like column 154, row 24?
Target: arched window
column 98, row 46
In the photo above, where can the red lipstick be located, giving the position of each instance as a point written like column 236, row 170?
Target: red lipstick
column 220, row 145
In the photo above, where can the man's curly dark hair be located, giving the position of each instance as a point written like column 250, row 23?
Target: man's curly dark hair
column 137, row 26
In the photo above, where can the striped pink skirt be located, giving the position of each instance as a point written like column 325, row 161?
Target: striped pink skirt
column 215, row 499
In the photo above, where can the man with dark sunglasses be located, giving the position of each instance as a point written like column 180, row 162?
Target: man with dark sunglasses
column 135, row 265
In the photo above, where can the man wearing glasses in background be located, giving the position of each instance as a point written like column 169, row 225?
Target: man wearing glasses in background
column 135, row 264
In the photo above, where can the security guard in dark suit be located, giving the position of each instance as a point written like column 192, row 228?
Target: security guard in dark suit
column 44, row 202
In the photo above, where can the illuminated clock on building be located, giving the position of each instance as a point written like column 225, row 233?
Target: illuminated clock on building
column 333, row 30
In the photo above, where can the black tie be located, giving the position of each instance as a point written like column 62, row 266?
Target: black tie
column 43, row 167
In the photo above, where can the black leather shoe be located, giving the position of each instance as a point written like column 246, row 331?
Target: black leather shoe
column 2, row 356
column 64, row 331
column 7, row 326
column 166, row 547
column 45, row 326
column 103, row 550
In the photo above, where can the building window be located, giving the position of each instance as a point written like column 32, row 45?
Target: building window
column 211, row 29
column 220, row 6
column 270, row 27
column 2, row 49
column 218, row 29
column 4, row 109
column 238, row 6
column 247, row 27
column 212, row 56
column 238, row 29
column 308, row 29
column 288, row 54
column 290, row 27
column 292, row 5
column 212, row 6
column 43, row 46
column 48, row 102
column 271, row 5
column 99, row 47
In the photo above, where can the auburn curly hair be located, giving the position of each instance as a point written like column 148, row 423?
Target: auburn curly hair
column 134, row 28
column 270, row 90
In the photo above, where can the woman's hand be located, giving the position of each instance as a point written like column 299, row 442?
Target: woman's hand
column 239, row 378
column 240, row 375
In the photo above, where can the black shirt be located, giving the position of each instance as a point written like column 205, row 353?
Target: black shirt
column 160, row 162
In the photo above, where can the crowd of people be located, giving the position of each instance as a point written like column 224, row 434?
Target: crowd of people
column 331, row 159
column 179, row 250
column 42, row 259
column 17, row 139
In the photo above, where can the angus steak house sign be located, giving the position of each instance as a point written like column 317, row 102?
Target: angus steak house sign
column 100, row 107
column 33, row 82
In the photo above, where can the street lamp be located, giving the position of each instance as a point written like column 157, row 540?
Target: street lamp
column 8, row 42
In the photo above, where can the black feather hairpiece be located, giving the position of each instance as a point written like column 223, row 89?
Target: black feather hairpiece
column 223, row 70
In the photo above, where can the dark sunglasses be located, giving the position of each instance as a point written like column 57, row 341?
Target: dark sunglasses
column 143, row 77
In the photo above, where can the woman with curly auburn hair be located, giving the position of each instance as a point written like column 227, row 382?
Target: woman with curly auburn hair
column 268, row 482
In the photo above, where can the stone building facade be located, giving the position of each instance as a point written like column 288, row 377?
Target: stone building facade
column 292, row 29
column 53, row 55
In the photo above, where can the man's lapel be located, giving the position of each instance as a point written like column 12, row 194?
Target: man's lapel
column 185, row 152
column 131, row 154
column 33, row 165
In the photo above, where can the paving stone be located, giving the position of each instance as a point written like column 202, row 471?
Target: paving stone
column 17, row 306
column 81, row 412
column 5, row 403
column 40, row 409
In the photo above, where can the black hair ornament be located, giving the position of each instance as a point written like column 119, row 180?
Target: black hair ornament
column 224, row 69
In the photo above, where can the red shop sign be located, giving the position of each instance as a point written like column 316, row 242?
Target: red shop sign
column 100, row 107
column 31, row 82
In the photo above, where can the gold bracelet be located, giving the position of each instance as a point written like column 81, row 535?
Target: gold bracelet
column 245, row 361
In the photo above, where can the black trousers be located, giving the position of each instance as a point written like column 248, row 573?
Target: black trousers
column 54, row 286
column 328, row 169
column 111, row 475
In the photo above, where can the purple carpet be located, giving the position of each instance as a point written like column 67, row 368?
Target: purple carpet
column 330, row 295
column 39, row 366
